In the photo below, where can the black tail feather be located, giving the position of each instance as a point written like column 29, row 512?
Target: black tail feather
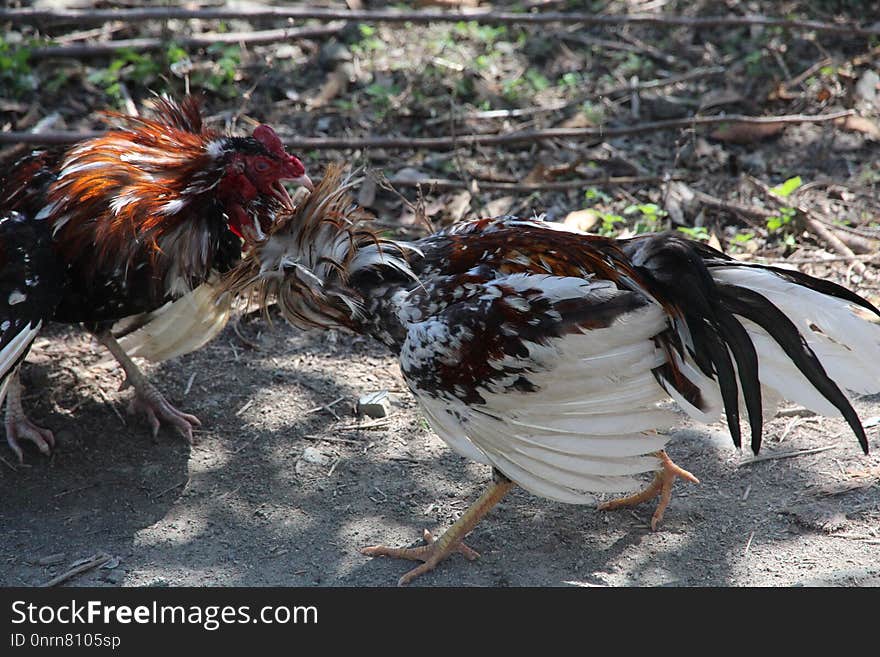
column 678, row 274
column 758, row 309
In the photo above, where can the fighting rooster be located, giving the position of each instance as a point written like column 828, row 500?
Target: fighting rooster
column 127, row 224
column 552, row 355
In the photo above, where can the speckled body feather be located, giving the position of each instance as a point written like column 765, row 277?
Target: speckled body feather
column 553, row 355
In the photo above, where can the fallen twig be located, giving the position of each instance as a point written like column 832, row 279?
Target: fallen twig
column 448, row 143
column 643, row 49
column 169, row 489
column 110, row 403
column 375, row 424
column 96, row 49
column 786, row 455
column 189, row 384
column 92, row 562
column 864, row 257
column 327, row 439
column 248, row 404
column 736, row 208
column 91, row 16
column 326, row 407
column 488, row 185
column 797, row 411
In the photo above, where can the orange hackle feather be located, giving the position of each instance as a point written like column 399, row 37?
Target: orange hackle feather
column 112, row 196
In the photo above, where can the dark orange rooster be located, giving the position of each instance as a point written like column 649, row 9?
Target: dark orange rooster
column 552, row 355
column 123, row 225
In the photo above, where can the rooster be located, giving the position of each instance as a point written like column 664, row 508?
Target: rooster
column 130, row 224
column 553, row 355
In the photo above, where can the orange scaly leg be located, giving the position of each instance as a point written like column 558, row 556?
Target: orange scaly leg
column 451, row 541
column 662, row 486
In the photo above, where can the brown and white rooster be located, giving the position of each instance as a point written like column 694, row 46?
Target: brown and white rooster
column 552, row 355
column 130, row 223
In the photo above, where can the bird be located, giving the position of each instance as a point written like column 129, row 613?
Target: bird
column 131, row 225
column 560, row 358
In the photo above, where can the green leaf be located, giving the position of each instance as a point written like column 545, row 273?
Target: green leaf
column 697, row 232
column 787, row 188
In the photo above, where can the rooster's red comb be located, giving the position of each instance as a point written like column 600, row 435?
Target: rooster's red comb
column 268, row 138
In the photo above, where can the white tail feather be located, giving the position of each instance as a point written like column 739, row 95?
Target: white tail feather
column 844, row 340
column 181, row 326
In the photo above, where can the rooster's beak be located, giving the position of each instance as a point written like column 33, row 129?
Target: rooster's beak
column 305, row 181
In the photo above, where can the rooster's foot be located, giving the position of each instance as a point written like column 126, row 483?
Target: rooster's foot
column 432, row 553
column 451, row 540
column 18, row 425
column 662, row 486
column 149, row 401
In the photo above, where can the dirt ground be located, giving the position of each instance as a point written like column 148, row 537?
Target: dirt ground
column 243, row 507
column 285, row 482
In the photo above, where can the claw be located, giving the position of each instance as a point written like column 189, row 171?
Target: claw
column 435, row 551
column 153, row 404
column 661, row 486
column 18, row 425
column 148, row 400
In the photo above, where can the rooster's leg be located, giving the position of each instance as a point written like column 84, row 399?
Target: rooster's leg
column 451, row 541
column 19, row 426
column 662, row 486
column 147, row 398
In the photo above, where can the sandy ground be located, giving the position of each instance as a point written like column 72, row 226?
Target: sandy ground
column 248, row 506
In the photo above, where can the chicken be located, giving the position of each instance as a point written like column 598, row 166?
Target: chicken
column 553, row 355
column 123, row 225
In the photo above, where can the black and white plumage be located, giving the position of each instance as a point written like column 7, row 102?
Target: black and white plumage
column 552, row 355
column 32, row 283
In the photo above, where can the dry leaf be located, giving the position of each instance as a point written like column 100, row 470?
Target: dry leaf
column 537, row 174
column 458, row 205
column 577, row 120
column 336, row 83
column 859, row 124
column 542, row 173
column 582, row 220
column 499, row 206
column 719, row 97
column 741, row 132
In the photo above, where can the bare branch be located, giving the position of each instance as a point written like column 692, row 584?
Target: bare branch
column 521, row 187
column 448, row 143
column 198, row 41
column 91, row 16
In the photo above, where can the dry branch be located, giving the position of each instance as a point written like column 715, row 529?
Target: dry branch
column 91, row 16
column 449, row 142
column 521, row 187
column 88, row 564
column 99, row 48
column 786, row 455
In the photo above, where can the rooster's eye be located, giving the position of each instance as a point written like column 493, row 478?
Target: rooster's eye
column 262, row 166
